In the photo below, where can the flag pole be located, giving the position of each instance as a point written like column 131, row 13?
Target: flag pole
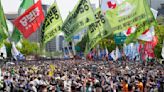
column 41, row 44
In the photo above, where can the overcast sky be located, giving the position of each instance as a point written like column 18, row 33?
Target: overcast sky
column 11, row 6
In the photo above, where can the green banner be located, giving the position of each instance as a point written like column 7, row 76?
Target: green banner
column 81, row 16
column 52, row 24
column 97, row 30
column 127, row 14
column 140, row 29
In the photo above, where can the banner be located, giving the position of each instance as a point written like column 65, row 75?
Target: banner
column 52, row 24
column 123, row 14
column 16, row 35
column 98, row 30
column 81, row 16
column 30, row 20
column 3, row 26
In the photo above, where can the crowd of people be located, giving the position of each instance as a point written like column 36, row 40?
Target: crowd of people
column 81, row 76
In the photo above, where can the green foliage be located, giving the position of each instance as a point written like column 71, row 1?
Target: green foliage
column 82, row 43
column 107, row 43
column 159, row 31
column 160, row 20
column 29, row 48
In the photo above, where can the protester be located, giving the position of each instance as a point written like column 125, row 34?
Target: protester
column 82, row 76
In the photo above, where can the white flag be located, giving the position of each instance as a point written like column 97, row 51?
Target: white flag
column 14, row 51
column 3, row 52
column 149, row 34
column 130, row 31
column 117, row 53
column 112, row 54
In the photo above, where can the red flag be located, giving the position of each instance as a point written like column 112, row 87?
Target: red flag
column 149, row 49
column 30, row 20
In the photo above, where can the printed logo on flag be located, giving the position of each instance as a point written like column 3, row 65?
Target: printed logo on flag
column 125, row 9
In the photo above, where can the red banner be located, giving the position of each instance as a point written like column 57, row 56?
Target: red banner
column 30, row 20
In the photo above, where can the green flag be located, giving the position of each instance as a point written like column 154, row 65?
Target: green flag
column 127, row 14
column 81, row 16
column 3, row 35
column 142, row 26
column 16, row 35
column 52, row 24
column 3, row 25
column 97, row 30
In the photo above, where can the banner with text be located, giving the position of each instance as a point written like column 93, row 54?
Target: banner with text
column 30, row 20
column 81, row 16
column 127, row 13
column 97, row 30
column 52, row 24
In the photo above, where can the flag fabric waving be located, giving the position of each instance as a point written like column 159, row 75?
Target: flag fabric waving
column 123, row 14
column 3, row 26
column 16, row 35
column 52, row 24
column 147, row 35
column 30, row 20
column 97, row 30
column 142, row 28
column 81, row 16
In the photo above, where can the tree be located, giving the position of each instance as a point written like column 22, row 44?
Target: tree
column 29, row 48
column 159, row 30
